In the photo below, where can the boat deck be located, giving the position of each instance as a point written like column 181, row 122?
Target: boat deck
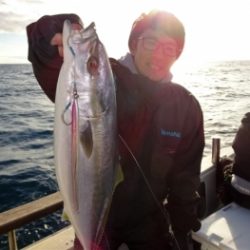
column 62, row 239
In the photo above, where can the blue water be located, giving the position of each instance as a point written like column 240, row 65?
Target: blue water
column 26, row 158
column 26, row 131
column 223, row 90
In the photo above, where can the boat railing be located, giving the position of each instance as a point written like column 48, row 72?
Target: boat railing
column 24, row 214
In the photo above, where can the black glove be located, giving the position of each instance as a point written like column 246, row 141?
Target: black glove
column 183, row 241
column 184, row 215
column 41, row 32
column 182, row 221
column 44, row 57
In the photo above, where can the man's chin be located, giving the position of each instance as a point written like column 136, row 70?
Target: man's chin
column 155, row 77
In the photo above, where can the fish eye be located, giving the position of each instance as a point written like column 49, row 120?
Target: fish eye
column 93, row 65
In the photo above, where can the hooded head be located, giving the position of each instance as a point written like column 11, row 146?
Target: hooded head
column 159, row 20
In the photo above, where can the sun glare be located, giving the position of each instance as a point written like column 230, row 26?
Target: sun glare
column 215, row 30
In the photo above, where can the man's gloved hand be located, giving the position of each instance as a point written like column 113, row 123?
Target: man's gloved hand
column 183, row 241
column 45, row 49
column 184, row 220
column 45, row 31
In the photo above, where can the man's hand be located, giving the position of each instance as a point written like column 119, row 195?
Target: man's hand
column 57, row 39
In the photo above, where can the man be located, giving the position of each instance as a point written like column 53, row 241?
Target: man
column 240, row 181
column 161, row 132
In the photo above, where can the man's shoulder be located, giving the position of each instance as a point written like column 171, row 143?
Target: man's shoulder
column 129, row 80
column 121, row 73
column 176, row 96
column 175, row 91
column 116, row 65
column 175, row 87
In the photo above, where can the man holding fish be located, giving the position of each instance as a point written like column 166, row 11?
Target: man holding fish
column 159, row 131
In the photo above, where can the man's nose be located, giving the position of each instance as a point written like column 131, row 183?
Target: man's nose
column 159, row 49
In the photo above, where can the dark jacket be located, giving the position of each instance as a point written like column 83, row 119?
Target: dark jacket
column 161, row 123
column 241, row 163
column 241, row 146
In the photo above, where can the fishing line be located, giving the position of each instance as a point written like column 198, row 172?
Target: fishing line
column 165, row 215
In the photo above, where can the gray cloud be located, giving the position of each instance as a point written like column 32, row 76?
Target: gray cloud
column 12, row 18
column 13, row 22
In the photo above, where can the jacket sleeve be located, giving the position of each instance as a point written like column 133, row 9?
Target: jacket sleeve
column 185, row 179
column 45, row 59
column 177, row 158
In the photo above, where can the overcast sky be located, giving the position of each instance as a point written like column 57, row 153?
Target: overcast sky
column 216, row 29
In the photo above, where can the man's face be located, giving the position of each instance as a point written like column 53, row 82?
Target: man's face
column 154, row 53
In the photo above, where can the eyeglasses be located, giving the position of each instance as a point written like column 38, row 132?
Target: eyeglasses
column 150, row 43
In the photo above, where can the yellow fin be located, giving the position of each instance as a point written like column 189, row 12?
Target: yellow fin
column 119, row 175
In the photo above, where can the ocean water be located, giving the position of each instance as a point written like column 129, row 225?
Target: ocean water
column 26, row 158
column 223, row 90
column 26, row 131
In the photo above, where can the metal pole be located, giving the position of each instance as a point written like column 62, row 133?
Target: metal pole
column 215, row 151
column 12, row 240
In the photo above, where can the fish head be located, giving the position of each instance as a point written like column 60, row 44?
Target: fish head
column 92, row 72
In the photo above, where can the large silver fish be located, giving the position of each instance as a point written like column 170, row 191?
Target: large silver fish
column 85, row 133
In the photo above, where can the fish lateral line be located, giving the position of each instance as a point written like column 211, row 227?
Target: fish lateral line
column 74, row 153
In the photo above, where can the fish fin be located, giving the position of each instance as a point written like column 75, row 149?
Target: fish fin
column 119, row 175
column 86, row 140
column 65, row 216
column 107, row 205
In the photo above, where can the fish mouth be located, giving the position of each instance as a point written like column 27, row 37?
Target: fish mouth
column 86, row 35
